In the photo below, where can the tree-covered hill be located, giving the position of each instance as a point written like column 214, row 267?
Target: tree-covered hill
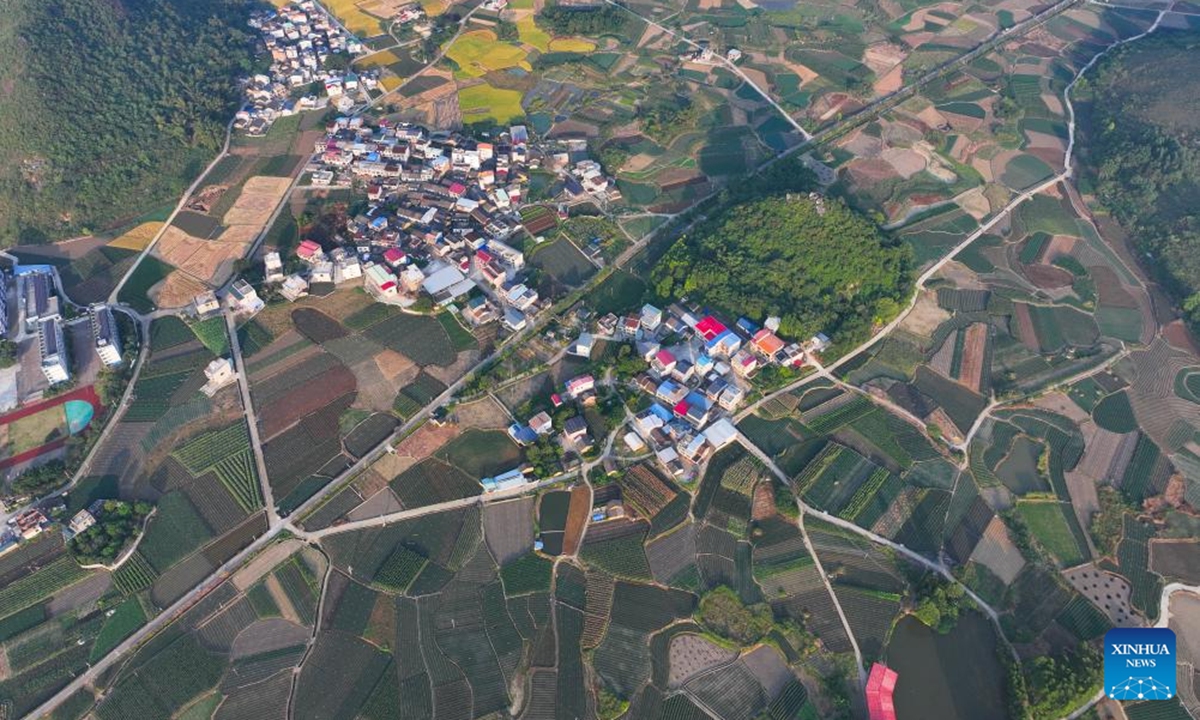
column 1142, row 150
column 110, row 107
column 829, row 271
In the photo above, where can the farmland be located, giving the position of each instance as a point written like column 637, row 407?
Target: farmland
column 1030, row 375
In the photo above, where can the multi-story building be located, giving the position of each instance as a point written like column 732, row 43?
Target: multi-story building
column 104, row 334
column 53, row 351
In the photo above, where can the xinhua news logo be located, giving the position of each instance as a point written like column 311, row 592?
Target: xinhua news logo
column 1139, row 664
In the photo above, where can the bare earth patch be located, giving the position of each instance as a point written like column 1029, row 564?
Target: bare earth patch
column 997, row 552
column 267, row 635
column 486, row 413
column 925, row 317
column 266, row 561
column 690, row 655
column 1107, row 591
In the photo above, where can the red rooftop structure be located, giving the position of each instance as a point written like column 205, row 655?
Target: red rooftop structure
column 710, row 327
column 880, row 686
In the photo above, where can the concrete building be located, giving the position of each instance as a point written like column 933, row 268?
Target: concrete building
column 206, row 304
column 3, row 305
column 53, row 351
column 39, row 299
column 274, row 267
column 294, row 288
column 219, row 373
column 244, row 298
column 104, row 334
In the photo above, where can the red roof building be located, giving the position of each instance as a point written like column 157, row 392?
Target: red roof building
column 880, row 686
column 710, row 327
column 308, row 250
column 394, row 256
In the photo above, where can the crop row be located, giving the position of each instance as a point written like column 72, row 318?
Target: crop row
column 207, row 450
column 134, row 574
column 239, row 477
column 847, row 413
column 41, row 585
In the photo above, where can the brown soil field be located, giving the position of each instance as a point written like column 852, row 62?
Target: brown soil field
column 394, row 365
column 485, row 413
column 1048, row 277
column 267, row 635
column 297, row 404
column 177, row 290
column 689, row 655
column 869, row 171
column 257, row 201
column 388, row 465
column 266, row 561
column 1109, row 288
column 1178, row 335
column 997, row 551
column 577, row 517
column 974, row 347
column 926, row 315
column 426, row 440
column 1025, row 331
column 764, row 502
column 1101, row 447
column 1176, row 559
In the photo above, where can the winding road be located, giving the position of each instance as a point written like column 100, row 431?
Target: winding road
column 278, row 526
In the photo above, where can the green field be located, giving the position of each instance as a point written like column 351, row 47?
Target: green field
column 1047, row 523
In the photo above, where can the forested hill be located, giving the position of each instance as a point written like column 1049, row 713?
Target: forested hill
column 1142, row 151
column 818, row 265
column 109, row 108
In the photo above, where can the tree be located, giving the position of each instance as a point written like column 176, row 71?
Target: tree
column 722, row 611
column 820, row 266
column 8, row 353
column 938, row 602
column 41, row 479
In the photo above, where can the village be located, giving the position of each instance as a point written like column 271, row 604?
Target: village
column 442, row 230
column 310, row 56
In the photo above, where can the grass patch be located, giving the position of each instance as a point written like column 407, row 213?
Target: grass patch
column 149, row 272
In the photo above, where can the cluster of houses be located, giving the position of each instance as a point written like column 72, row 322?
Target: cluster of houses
column 25, row 526
column 442, row 212
column 698, row 376
column 299, row 38
column 41, row 316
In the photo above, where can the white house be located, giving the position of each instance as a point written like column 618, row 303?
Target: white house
column 219, row 373
column 53, row 351
column 243, row 298
column 104, row 334
column 294, row 288
column 274, row 267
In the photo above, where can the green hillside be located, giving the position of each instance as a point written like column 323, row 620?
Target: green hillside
column 110, row 108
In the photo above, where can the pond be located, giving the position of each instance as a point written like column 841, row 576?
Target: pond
column 956, row 676
column 1019, row 471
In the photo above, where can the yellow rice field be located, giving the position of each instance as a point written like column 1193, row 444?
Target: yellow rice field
column 478, row 52
column 578, row 45
column 481, row 102
column 137, row 238
column 533, row 35
column 355, row 20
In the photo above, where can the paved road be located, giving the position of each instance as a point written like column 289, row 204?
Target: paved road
column 485, row 498
column 277, row 526
column 112, row 298
column 243, row 381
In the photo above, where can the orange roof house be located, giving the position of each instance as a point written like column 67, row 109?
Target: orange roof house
column 767, row 343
